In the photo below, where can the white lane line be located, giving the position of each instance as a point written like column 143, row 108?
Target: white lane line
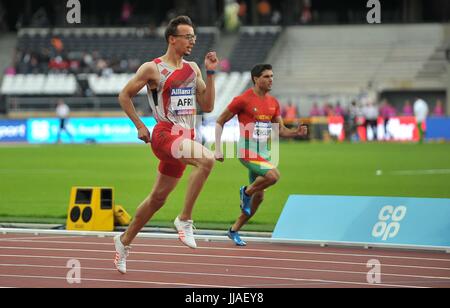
column 324, row 283
column 421, row 172
column 34, row 238
column 220, row 275
column 221, row 256
column 226, row 265
column 223, row 238
column 121, row 281
column 245, row 249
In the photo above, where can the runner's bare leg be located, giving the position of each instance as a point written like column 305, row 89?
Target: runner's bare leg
column 257, row 199
column 262, row 182
column 163, row 186
column 202, row 160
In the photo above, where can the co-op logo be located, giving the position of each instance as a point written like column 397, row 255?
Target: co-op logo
column 388, row 225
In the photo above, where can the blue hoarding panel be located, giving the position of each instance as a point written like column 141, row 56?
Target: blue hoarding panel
column 13, row 131
column 387, row 220
column 438, row 128
column 81, row 130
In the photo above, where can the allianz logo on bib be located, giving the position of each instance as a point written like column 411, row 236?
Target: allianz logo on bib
column 182, row 91
column 388, row 225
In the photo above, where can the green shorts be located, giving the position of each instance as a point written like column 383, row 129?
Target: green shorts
column 256, row 161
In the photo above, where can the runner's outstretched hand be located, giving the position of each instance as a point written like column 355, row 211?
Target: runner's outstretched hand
column 211, row 61
column 302, row 130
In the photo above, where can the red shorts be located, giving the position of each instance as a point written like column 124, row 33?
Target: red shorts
column 163, row 140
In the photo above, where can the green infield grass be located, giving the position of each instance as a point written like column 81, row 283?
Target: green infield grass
column 35, row 181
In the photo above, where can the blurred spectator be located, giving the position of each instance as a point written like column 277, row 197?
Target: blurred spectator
column 88, row 60
column 34, row 64
column 101, row 66
column 225, row 65
column 62, row 112
column 338, row 110
column 421, row 113
column 392, row 112
column 438, row 110
column 264, row 11
column 126, row 13
column 352, row 122
column 57, row 44
column 231, row 19
column 242, row 13
column 407, row 109
column 315, row 111
column 370, row 112
column 74, row 66
column 290, row 113
column 328, row 110
column 10, row 71
column 385, row 113
column 44, row 57
column 276, row 18
column 305, row 15
column 58, row 64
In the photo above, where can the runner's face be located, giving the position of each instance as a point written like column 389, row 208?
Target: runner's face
column 185, row 39
column 265, row 81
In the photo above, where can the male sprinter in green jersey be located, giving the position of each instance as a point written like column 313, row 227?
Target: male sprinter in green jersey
column 257, row 111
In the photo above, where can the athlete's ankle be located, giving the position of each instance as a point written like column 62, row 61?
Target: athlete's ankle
column 122, row 240
column 247, row 191
column 184, row 217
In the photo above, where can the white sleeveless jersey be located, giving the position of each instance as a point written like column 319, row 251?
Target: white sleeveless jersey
column 174, row 100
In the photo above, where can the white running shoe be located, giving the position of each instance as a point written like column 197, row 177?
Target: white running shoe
column 185, row 232
column 122, row 253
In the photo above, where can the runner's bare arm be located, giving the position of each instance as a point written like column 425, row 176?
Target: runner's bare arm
column 300, row 131
column 226, row 116
column 147, row 73
column 206, row 93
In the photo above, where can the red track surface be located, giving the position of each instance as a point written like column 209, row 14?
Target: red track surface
column 41, row 261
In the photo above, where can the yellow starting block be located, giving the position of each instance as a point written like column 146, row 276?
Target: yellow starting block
column 121, row 217
column 92, row 209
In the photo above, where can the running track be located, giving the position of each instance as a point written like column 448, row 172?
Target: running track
column 41, row 261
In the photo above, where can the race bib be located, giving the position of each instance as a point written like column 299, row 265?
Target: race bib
column 262, row 131
column 182, row 101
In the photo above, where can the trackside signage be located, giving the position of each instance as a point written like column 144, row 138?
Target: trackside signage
column 81, row 130
column 13, row 131
column 379, row 220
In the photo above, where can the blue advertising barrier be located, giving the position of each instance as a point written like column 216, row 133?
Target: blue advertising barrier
column 378, row 220
column 81, row 130
column 438, row 128
column 13, row 131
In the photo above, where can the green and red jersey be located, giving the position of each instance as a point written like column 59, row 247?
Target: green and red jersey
column 255, row 115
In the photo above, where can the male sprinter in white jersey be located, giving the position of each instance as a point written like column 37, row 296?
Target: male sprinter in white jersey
column 170, row 80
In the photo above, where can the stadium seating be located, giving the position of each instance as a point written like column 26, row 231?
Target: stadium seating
column 347, row 59
column 318, row 63
column 109, row 85
column 253, row 46
column 331, row 64
column 40, row 84
column 227, row 87
column 106, row 90
column 434, row 68
column 110, row 43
